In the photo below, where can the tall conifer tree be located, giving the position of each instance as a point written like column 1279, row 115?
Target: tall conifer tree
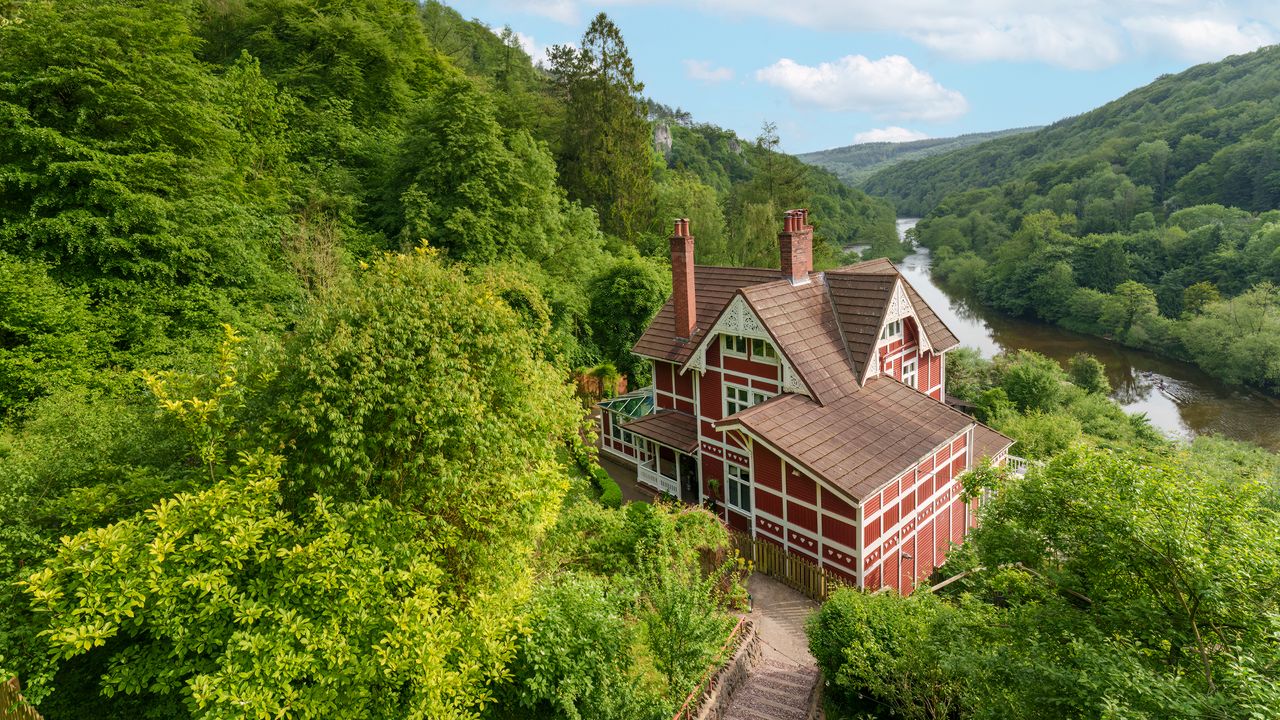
column 605, row 155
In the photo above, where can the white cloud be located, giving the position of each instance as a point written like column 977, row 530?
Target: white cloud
column 890, row 87
column 532, row 48
column 1198, row 39
column 1080, row 34
column 706, row 72
column 891, row 134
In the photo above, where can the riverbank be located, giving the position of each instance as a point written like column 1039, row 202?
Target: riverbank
column 1179, row 399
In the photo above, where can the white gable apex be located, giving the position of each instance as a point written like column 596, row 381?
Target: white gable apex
column 739, row 319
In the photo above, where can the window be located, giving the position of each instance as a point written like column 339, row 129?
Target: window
column 737, row 399
column 909, row 373
column 763, row 351
column 892, row 330
column 734, row 345
column 615, row 426
column 738, row 487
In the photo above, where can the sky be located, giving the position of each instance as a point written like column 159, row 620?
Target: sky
column 837, row 72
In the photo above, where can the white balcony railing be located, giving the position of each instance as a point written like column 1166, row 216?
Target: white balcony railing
column 647, row 475
column 1017, row 465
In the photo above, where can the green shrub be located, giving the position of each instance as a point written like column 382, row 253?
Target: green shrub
column 610, row 493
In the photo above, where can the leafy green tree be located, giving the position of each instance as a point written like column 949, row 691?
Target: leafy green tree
column 1032, row 381
column 624, row 298
column 884, row 656
column 1127, row 306
column 1196, row 297
column 1238, row 339
column 420, row 385
column 682, row 195
column 1088, row 373
column 605, row 154
column 578, row 659
column 682, row 617
column 464, row 186
column 224, row 600
column 49, row 338
column 120, row 169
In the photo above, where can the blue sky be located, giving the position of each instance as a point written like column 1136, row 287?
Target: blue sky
column 834, row 72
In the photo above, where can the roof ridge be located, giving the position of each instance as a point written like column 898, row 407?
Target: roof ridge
column 844, row 341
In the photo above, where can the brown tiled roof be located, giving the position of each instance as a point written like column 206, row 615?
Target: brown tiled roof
column 714, row 288
column 860, row 301
column 940, row 336
column 988, row 442
column 800, row 318
column 670, row 427
column 861, row 441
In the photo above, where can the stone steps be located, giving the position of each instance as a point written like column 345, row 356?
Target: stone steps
column 775, row 690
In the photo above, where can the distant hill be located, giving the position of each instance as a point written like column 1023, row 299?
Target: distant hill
column 855, row 163
column 1217, row 123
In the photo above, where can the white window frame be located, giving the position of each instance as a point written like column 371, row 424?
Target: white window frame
column 737, row 487
column 728, row 343
column 910, row 372
column 737, row 398
column 768, row 354
column 891, row 330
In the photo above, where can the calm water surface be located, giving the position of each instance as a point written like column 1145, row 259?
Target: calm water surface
column 1179, row 398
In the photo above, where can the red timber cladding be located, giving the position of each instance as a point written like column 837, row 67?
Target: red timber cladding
column 739, row 522
column 684, row 386
column 767, row 371
column 918, row 516
column 712, row 407
column 801, row 487
column 766, row 469
column 768, row 502
column 712, row 469
column 802, row 517
column 663, row 374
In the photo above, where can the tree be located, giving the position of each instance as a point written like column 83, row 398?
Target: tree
column 605, row 155
column 463, row 185
column 1032, row 381
column 1088, row 373
column 624, row 298
column 223, row 600
column 420, row 385
column 682, row 195
column 1129, row 304
column 1196, row 297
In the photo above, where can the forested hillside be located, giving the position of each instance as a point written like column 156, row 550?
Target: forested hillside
column 291, row 295
column 855, row 163
column 1152, row 220
column 1206, row 135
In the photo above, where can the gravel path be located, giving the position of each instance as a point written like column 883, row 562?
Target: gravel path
column 781, row 685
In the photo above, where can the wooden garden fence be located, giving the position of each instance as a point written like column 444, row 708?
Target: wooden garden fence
column 793, row 571
column 12, row 705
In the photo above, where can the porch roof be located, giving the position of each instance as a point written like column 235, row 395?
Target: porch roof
column 669, row 427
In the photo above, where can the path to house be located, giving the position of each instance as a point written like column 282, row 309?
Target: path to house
column 781, row 685
column 625, row 476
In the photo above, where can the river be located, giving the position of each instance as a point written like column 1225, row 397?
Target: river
column 1178, row 398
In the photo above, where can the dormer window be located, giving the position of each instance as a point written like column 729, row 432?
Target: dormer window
column 891, row 330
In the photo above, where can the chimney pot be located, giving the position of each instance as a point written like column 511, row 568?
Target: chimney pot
column 683, row 292
column 795, row 245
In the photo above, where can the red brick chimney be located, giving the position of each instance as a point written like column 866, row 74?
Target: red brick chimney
column 682, row 290
column 796, row 245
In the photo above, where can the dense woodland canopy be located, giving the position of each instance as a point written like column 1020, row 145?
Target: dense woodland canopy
column 1151, row 220
column 291, row 294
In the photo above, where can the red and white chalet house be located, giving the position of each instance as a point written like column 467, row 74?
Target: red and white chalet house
column 810, row 406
